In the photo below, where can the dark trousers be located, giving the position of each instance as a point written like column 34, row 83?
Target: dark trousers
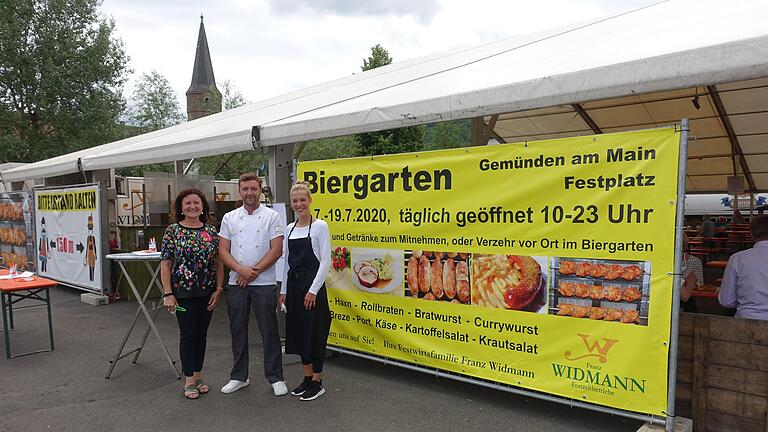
column 193, row 331
column 263, row 300
column 317, row 363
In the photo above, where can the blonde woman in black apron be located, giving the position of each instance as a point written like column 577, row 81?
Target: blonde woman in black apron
column 307, row 254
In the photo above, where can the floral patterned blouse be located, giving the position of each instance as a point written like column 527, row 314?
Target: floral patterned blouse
column 193, row 253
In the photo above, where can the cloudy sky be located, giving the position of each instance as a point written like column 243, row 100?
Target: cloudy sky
column 270, row 47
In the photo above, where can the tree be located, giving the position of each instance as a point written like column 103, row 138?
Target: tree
column 450, row 134
column 61, row 77
column 245, row 161
column 154, row 104
column 401, row 140
column 231, row 97
column 330, row 148
column 379, row 57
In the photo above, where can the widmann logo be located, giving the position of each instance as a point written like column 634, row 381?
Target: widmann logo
column 594, row 349
column 592, row 377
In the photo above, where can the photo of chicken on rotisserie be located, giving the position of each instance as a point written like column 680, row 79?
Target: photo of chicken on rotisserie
column 626, row 316
column 612, row 293
column 583, row 268
column 434, row 275
column 600, row 289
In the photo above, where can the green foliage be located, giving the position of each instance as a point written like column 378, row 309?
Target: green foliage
column 330, row 148
column 451, row 134
column 379, row 57
column 240, row 163
column 139, row 170
column 392, row 141
column 61, row 78
column 231, row 96
column 401, row 140
column 154, row 104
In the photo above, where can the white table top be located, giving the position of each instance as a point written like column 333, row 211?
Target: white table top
column 132, row 256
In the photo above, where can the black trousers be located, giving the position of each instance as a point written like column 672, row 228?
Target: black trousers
column 317, row 363
column 193, row 331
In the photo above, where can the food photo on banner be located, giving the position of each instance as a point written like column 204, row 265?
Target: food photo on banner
column 16, row 236
column 543, row 265
column 67, row 222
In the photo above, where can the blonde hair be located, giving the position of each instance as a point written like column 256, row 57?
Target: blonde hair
column 301, row 186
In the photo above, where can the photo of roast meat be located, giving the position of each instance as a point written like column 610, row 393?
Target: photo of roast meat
column 366, row 274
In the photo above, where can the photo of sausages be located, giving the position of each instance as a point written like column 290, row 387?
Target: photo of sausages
column 437, row 275
column 449, row 278
column 425, row 274
column 412, row 275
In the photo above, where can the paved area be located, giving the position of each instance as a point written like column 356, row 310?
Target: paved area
column 66, row 391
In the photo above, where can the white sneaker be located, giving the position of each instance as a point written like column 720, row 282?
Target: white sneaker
column 234, row 385
column 280, row 388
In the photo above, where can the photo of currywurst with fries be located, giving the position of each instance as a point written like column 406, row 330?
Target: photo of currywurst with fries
column 513, row 282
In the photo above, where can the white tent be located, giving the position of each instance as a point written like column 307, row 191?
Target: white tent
column 631, row 71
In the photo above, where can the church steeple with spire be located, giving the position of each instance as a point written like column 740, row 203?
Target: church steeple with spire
column 203, row 98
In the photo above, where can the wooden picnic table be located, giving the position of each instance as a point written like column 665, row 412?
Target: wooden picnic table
column 13, row 291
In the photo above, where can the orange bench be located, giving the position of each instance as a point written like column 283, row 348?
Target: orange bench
column 13, row 291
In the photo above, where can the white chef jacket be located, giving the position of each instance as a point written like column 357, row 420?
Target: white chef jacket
column 250, row 235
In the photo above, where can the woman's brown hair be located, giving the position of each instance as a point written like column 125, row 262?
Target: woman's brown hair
column 178, row 215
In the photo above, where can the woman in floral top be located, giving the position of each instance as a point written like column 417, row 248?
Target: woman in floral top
column 192, row 278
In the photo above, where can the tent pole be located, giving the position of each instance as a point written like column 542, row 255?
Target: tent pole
column 676, row 277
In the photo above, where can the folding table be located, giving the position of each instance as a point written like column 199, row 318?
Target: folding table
column 142, row 310
column 12, row 291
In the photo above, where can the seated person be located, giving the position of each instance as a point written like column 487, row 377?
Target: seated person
column 720, row 226
column 693, row 278
column 707, row 229
column 745, row 282
column 737, row 217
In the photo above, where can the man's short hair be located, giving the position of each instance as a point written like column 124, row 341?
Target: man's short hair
column 248, row 177
column 759, row 226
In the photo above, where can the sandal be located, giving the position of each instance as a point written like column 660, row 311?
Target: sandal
column 191, row 392
column 202, row 387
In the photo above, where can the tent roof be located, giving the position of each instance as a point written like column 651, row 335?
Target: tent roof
column 630, row 71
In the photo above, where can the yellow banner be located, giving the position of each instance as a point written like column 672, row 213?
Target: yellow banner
column 67, row 201
column 544, row 265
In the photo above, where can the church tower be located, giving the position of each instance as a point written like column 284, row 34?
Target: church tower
column 203, row 98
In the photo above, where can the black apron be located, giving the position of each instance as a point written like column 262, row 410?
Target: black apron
column 306, row 331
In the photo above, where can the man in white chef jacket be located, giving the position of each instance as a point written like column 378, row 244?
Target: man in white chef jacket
column 250, row 242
